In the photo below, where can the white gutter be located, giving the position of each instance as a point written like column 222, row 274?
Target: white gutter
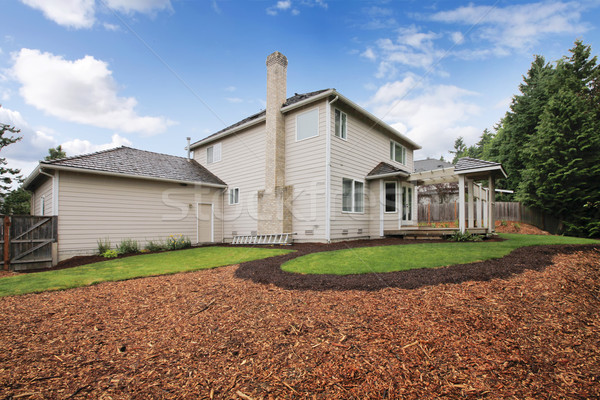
column 120, row 175
column 328, row 169
column 388, row 175
column 202, row 142
column 482, row 169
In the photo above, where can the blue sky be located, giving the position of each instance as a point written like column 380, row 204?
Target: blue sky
column 95, row 74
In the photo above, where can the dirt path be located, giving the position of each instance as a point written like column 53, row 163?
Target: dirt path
column 532, row 332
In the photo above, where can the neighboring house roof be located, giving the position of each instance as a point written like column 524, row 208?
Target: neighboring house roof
column 430, row 164
column 130, row 162
column 384, row 169
column 467, row 165
column 299, row 100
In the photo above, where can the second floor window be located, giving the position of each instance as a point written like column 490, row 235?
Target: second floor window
column 397, row 152
column 340, row 124
column 234, row 196
column 307, row 124
column 213, row 153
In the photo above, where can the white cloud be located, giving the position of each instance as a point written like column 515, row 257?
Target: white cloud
column 283, row 4
column 77, row 146
column 457, row 37
column 111, row 27
column 79, row 14
column 141, row 6
column 369, row 54
column 431, row 115
column 287, row 5
column 35, row 142
column 82, row 91
column 71, row 13
column 230, row 89
column 517, row 26
column 234, row 99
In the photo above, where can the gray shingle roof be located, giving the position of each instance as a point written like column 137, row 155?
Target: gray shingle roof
column 129, row 161
column 431, row 164
column 473, row 163
column 291, row 100
column 384, row 168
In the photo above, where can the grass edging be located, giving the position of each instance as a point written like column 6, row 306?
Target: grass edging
column 133, row 267
column 363, row 260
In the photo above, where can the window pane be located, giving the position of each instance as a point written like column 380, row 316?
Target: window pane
column 307, row 124
column 398, row 153
column 343, row 126
column 409, row 204
column 209, row 155
column 391, row 150
column 337, row 123
column 390, row 197
column 358, row 196
column 347, row 194
column 217, row 152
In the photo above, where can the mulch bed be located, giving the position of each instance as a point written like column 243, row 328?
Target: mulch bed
column 526, row 326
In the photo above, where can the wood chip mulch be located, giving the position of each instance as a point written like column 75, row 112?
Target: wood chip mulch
column 530, row 333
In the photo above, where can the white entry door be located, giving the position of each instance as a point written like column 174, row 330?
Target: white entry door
column 205, row 223
column 407, row 204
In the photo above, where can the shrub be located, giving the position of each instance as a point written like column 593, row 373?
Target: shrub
column 103, row 245
column 446, row 225
column 110, row 254
column 155, row 246
column 176, row 242
column 464, row 237
column 517, row 226
column 503, row 223
column 128, row 246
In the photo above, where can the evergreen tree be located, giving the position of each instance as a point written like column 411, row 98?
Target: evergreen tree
column 460, row 149
column 561, row 174
column 55, row 153
column 16, row 202
column 8, row 175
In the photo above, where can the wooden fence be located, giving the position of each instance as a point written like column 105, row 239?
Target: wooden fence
column 504, row 211
column 27, row 242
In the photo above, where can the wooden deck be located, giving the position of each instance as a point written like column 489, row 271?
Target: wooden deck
column 430, row 233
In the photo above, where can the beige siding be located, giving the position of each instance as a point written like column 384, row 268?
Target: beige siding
column 354, row 158
column 93, row 207
column 242, row 165
column 305, row 171
column 43, row 191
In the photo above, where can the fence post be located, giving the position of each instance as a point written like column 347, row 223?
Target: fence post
column 6, row 242
column 428, row 213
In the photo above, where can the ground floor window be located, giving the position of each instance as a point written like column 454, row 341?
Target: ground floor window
column 352, row 195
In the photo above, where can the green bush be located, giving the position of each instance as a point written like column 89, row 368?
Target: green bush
column 464, row 237
column 176, row 242
column 110, row 254
column 155, row 246
column 103, row 245
column 503, row 223
column 517, row 226
column 128, row 246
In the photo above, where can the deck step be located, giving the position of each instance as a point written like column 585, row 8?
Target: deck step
column 276, row 238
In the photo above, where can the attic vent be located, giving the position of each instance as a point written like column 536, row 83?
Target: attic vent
column 345, row 232
column 360, row 231
column 309, row 232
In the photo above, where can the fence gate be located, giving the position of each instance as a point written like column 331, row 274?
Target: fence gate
column 29, row 242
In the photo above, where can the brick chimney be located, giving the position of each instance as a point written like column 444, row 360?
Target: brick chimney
column 274, row 203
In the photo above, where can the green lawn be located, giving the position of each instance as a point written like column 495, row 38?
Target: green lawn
column 364, row 260
column 133, row 267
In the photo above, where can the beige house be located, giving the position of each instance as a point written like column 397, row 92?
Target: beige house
column 314, row 165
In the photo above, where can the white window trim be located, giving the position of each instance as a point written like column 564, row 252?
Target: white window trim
column 353, row 197
column 232, row 190
column 214, row 160
column 385, row 197
column 344, row 138
column 393, row 158
column 318, row 123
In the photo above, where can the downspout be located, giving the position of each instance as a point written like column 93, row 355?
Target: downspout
column 223, row 195
column 328, row 170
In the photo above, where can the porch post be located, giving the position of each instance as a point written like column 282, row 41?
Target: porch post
column 471, row 204
column 479, row 204
column 491, row 206
column 461, row 203
column 381, row 205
